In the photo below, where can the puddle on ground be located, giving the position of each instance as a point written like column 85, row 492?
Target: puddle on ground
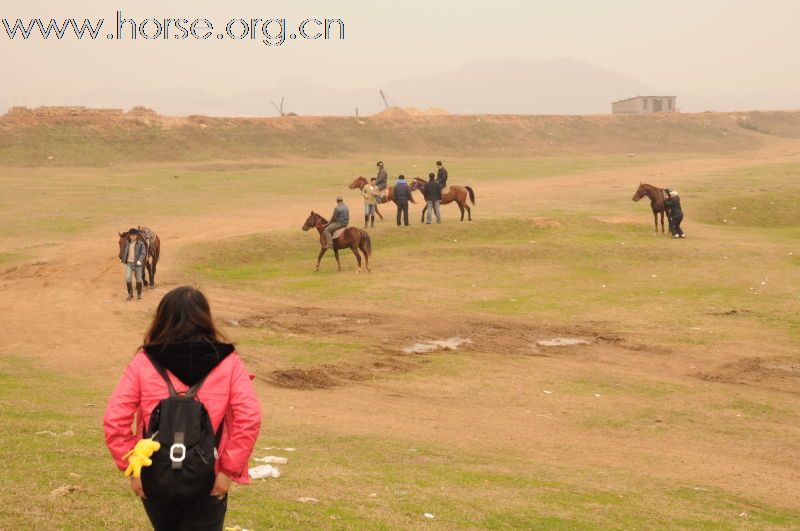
column 425, row 347
column 562, row 342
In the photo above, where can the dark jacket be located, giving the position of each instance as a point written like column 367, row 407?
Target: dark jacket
column 341, row 214
column 401, row 191
column 433, row 192
column 381, row 179
column 674, row 206
column 139, row 252
column 441, row 177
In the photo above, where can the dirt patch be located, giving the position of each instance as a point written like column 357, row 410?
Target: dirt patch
column 322, row 377
column 620, row 220
column 771, row 374
column 545, row 223
column 729, row 313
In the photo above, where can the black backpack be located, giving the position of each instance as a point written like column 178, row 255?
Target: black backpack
column 183, row 468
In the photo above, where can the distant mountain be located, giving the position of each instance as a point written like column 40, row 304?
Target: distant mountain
column 513, row 86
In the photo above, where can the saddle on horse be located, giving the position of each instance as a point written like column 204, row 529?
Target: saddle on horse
column 147, row 235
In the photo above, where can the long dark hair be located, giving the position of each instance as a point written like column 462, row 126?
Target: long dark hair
column 183, row 315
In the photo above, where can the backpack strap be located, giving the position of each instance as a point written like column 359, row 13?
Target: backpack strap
column 163, row 372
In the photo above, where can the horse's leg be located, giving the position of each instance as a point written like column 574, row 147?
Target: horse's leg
column 358, row 256
column 336, row 254
column 363, row 246
column 319, row 258
column 461, row 207
column 469, row 210
column 148, row 271
column 424, row 209
column 378, row 212
column 153, row 272
column 655, row 220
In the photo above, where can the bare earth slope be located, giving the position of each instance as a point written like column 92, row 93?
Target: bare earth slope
column 110, row 140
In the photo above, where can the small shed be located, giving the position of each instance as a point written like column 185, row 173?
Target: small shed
column 644, row 105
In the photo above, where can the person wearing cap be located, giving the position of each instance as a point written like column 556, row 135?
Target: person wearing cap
column 339, row 220
column 441, row 175
column 673, row 203
column 402, row 194
column 382, row 179
column 371, row 194
column 133, row 255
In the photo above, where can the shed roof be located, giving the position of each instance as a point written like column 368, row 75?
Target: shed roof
column 637, row 97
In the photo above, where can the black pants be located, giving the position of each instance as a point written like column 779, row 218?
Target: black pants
column 402, row 208
column 675, row 225
column 205, row 515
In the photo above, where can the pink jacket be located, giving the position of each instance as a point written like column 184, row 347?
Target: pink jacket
column 227, row 392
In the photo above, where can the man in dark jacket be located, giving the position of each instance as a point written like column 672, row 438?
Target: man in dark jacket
column 441, row 175
column 133, row 254
column 382, row 179
column 339, row 220
column 433, row 197
column 673, row 203
column 402, row 194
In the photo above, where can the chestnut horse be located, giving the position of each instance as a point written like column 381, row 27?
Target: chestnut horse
column 657, row 198
column 351, row 237
column 361, row 182
column 153, row 245
column 457, row 194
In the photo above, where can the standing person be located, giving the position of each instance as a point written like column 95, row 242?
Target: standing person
column 371, row 194
column 382, row 180
column 133, row 255
column 441, row 175
column 433, row 197
column 402, row 194
column 673, row 203
column 339, row 220
column 184, row 487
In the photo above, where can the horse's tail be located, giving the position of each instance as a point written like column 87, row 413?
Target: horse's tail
column 471, row 194
column 367, row 244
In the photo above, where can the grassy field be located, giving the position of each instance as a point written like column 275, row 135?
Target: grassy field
column 681, row 412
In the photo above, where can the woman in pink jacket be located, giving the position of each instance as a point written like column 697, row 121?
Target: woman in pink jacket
column 183, row 345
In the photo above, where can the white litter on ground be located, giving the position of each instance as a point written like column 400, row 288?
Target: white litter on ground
column 68, row 433
column 307, row 499
column 272, row 460
column 440, row 344
column 277, row 448
column 429, row 515
column 562, row 342
column 264, row 471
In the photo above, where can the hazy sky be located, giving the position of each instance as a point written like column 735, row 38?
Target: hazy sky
column 706, row 47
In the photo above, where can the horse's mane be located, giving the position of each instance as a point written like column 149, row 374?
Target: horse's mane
column 321, row 219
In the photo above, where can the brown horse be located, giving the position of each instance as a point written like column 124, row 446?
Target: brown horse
column 457, row 194
column 361, row 182
column 657, row 198
column 153, row 245
column 351, row 237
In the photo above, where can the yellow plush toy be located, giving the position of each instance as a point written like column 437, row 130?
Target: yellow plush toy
column 140, row 456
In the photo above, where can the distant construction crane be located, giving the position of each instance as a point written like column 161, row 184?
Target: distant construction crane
column 279, row 109
column 385, row 101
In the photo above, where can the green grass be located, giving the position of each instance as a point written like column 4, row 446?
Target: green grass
column 582, row 268
column 365, row 482
column 302, row 350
